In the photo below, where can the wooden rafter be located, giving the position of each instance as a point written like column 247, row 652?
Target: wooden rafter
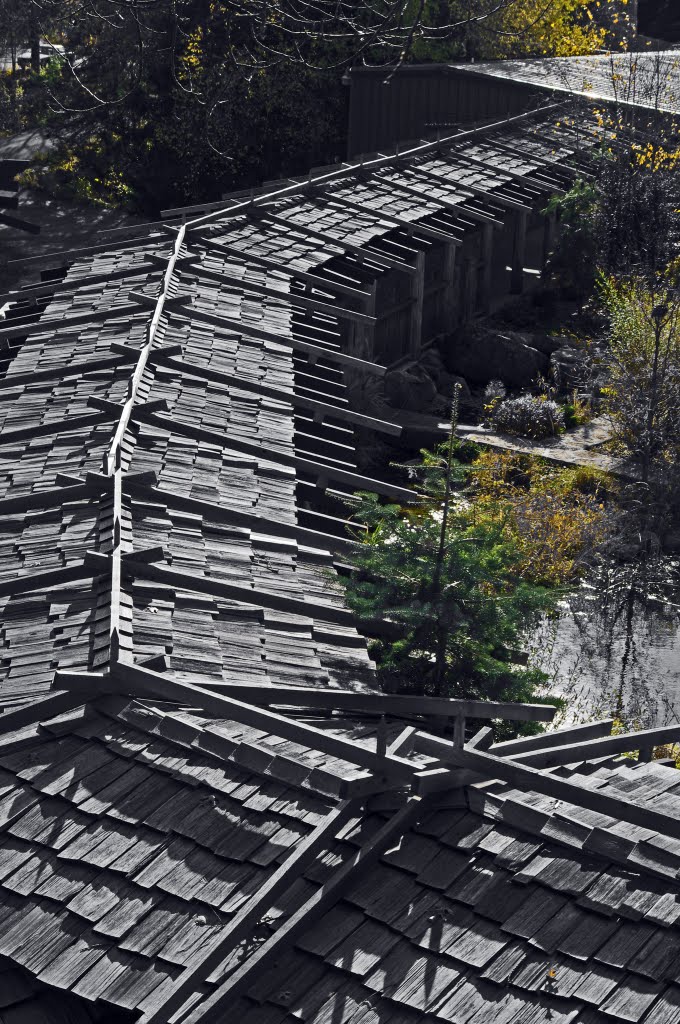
column 290, row 298
column 174, row 578
column 129, row 679
column 312, row 466
column 249, row 330
column 444, row 182
column 388, row 703
column 554, row 738
column 94, row 316
column 529, row 779
column 551, row 756
column 319, row 408
column 290, row 273
column 64, row 370
column 363, row 252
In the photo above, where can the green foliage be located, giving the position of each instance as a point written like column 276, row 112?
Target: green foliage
column 449, row 606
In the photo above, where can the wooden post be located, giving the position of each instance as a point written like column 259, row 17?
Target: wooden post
column 549, row 233
column 519, row 253
column 449, row 279
column 486, row 266
column 459, row 730
column 418, row 293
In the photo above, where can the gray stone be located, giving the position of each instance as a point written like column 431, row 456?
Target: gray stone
column 410, row 387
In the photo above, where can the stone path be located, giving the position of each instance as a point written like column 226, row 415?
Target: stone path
column 578, row 447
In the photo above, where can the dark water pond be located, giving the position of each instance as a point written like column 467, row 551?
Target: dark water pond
column 614, row 648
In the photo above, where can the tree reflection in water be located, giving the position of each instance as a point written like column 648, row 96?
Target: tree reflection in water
column 613, row 649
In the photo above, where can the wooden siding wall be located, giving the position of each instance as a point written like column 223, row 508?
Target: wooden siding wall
column 418, row 98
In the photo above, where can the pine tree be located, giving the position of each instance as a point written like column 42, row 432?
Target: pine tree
column 439, row 588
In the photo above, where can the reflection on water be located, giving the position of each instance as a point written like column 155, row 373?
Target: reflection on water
column 614, row 648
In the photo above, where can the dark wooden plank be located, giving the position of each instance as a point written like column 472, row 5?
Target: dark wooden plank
column 550, row 757
column 54, row 497
column 235, row 517
column 65, row 323
column 249, row 330
column 68, row 425
column 254, row 259
column 49, row 288
column 62, row 371
column 50, row 578
column 293, row 298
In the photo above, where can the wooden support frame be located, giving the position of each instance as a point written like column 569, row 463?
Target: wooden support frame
column 67, row 322
column 258, row 962
column 66, row 426
column 411, row 227
column 447, row 204
column 387, row 703
column 519, row 246
column 166, row 576
column 310, row 349
column 63, row 371
column 529, row 779
column 314, row 468
column 30, row 582
column 322, row 409
column 254, row 259
column 291, row 298
column 555, row 738
column 587, row 750
column 64, row 257
column 129, row 679
column 383, row 262
column 236, row 517
column 50, row 288
column 201, row 965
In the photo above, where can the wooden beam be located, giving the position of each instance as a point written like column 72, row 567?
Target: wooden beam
column 362, row 251
column 28, row 582
column 254, row 259
column 465, row 192
column 173, row 578
column 201, row 965
column 65, row 323
column 323, row 409
column 236, row 517
column 314, row 468
column 54, row 497
column 550, row 756
column 141, row 683
column 49, row 288
column 312, row 350
column 411, row 227
column 262, row 959
column 68, row 426
column 293, row 298
column 386, row 703
column 66, row 256
column 63, row 371
column 555, row 738
column 38, row 710
column 528, row 780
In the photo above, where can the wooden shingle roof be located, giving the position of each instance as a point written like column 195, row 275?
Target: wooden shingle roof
column 206, row 808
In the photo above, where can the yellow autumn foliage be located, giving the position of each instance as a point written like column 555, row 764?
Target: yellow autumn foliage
column 556, row 516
